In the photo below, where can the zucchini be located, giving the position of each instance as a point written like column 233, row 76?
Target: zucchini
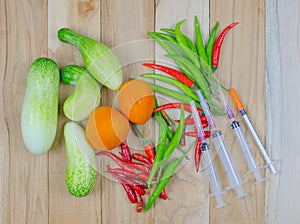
column 40, row 107
column 99, row 60
column 86, row 97
column 81, row 169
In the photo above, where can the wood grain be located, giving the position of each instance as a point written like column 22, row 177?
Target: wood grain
column 27, row 177
column 82, row 17
column 124, row 28
column 242, row 67
column 192, row 204
column 4, row 129
column 282, row 48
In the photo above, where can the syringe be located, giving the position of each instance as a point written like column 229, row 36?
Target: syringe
column 251, row 162
column 262, row 149
column 207, row 157
column 230, row 170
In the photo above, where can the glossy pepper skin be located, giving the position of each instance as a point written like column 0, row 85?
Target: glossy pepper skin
column 172, row 72
column 218, row 44
column 125, row 152
column 197, row 154
column 186, row 107
column 129, row 191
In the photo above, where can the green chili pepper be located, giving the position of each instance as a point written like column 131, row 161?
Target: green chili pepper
column 176, row 138
column 199, row 41
column 169, row 171
column 188, row 91
column 168, row 30
column 186, row 52
column 179, row 36
column 210, row 44
column 187, row 39
column 164, row 44
column 158, row 113
column 183, row 45
column 172, row 93
column 162, row 140
column 198, row 76
column 166, row 37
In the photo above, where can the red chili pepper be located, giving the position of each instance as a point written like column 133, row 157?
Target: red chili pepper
column 148, row 148
column 187, row 107
column 125, row 151
column 129, row 191
column 138, row 188
column 163, row 194
column 189, row 121
column 144, row 176
column 128, row 165
column 139, row 202
column 195, row 134
column 123, row 172
column 141, row 158
column 139, row 182
column 172, row 72
column 218, row 44
column 197, row 154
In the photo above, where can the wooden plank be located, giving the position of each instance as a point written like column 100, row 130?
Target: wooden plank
column 4, row 131
column 242, row 67
column 23, row 174
column 282, row 32
column 188, row 191
column 124, row 27
column 82, row 17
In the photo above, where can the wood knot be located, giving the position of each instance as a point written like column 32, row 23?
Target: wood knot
column 85, row 7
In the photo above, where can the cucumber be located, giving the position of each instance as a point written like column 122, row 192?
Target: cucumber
column 99, row 60
column 81, row 169
column 86, row 97
column 71, row 73
column 40, row 106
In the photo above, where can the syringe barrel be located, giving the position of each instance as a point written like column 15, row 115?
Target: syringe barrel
column 251, row 162
column 258, row 142
column 230, row 170
column 213, row 177
column 198, row 124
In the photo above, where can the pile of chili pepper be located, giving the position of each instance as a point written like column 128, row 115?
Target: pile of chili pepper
column 196, row 63
column 133, row 176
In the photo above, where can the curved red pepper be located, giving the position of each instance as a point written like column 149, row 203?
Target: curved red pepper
column 125, row 151
column 187, row 107
column 197, row 154
column 195, row 134
column 218, row 44
column 172, row 72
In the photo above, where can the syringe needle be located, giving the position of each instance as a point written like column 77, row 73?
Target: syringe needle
column 262, row 149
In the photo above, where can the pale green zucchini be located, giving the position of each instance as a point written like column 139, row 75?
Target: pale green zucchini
column 81, row 169
column 40, row 107
column 99, row 60
column 86, row 97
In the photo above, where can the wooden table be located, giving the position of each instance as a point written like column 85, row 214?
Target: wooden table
column 260, row 58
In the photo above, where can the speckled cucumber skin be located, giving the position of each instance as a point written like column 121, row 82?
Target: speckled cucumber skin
column 40, row 106
column 81, row 169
